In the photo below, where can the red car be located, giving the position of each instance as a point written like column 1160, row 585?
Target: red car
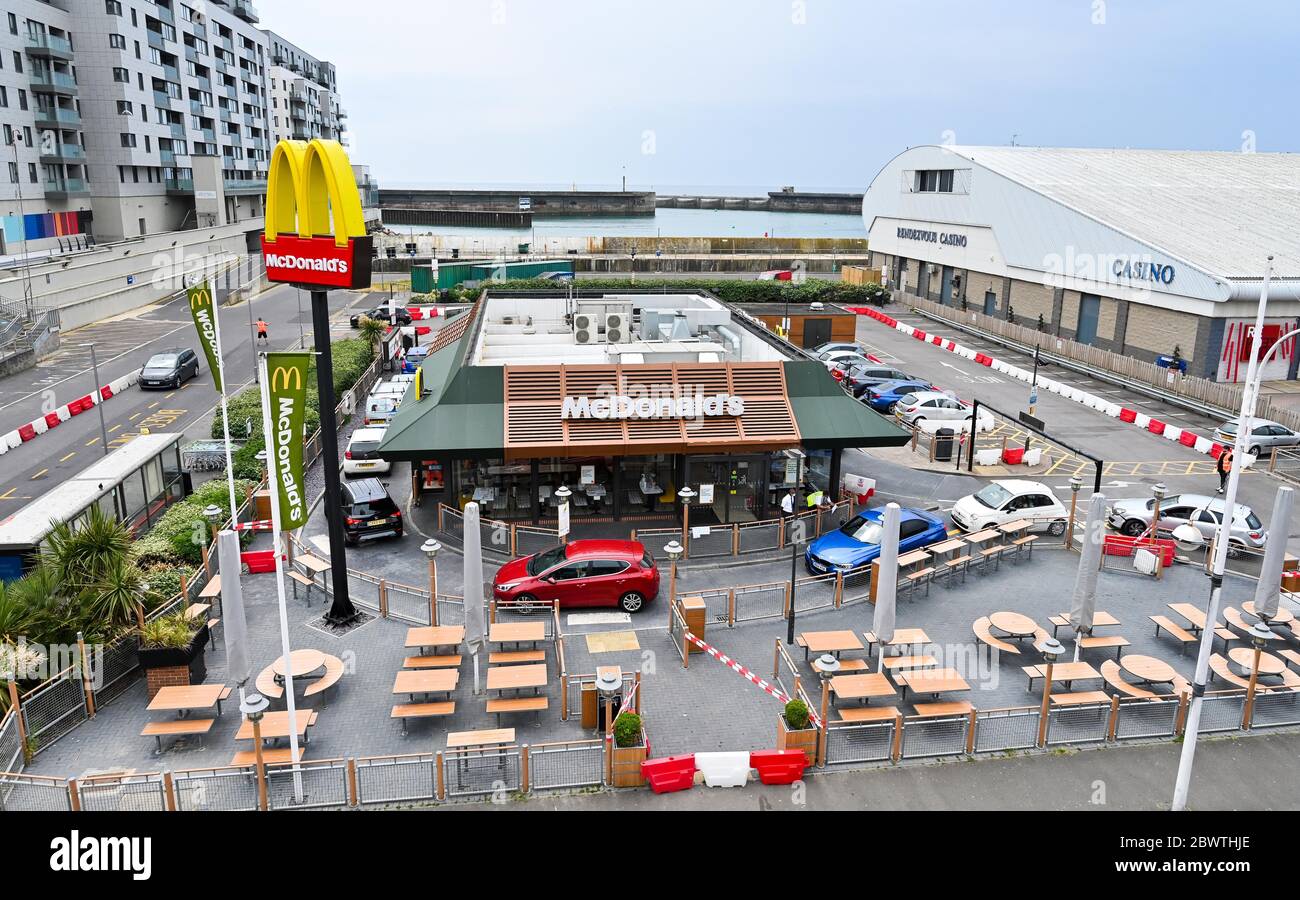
column 582, row 573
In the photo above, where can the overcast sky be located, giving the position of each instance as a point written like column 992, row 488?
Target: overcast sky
column 812, row 93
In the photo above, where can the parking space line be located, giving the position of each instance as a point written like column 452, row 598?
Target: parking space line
column 8, row 494
column 114, row 428
column 133, row 417
column 68, row 457
column 92, row 442
column 155, row 403
column 39, row 474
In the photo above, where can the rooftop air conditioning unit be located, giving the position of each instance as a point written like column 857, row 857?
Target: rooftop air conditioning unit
column 584, row 329
column 618, row 328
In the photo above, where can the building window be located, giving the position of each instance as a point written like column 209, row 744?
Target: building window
column 4, row 97
column 13, row 24
column 128, row 140
column 18, row 62
column 13, row 173
column 31, row 172
column 125, row 108
column 113, row 7
column 120, row 75
column 117, row 41
column 9, row 135
column 22, row 99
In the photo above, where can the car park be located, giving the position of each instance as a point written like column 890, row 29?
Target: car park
column 858, row 378
column 603, row 573
column 1003, row 501
column 857, row 543
column 1132, row 517
column 884, row 396
column 169, row 369
column 361, row 456
column 843, row 359
column 368, row 511
column 1265, row 436
column 841, row 347
column 380, row 314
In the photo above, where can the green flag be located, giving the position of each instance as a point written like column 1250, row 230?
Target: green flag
column 205, row 320
column 286, row 386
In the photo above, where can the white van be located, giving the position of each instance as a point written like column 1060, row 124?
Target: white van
column 389, row 389
column 381, row 409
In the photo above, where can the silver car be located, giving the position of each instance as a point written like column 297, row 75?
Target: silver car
column 1264, row 436
column 932, row 405
column 1133, row 517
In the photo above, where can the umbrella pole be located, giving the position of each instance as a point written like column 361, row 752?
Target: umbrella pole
column 475, row 655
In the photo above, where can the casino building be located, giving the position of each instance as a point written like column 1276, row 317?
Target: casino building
column 1139, row 252
column 625, row 399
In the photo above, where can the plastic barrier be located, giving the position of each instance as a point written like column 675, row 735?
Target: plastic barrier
column 1155, row 426
column 1216, row 450
column 670, row 773
column 258, row 561
column 1121, row 545
column 1013, row 456
column 778, row 766
column 75, row 407
column 1173, row 433
column 105, row 392
column 724, row 769
column 1188, row 439
column 27, row 432
column 1142, row 421
column 1128, row 415
column 52, row 420
column 1203, row 444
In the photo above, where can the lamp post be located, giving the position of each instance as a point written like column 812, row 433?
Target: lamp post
column 674, row 551
column 212, row 513
column 254, row 706
column 562, row 494
column 1051, row 648
column 1075, row 483
column 1158, row 492
column 1249, row 393
column 431, row 548
column 1260, row 634
column 686, row 495
column 99, row 397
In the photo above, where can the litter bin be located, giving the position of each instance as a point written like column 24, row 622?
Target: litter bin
column 943, row 444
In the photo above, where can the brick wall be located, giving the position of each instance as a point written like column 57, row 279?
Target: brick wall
column 1069, row 325
column 1106, row 318
column 1031, row 300
column 171, row 676
column 1153, row 332
column 977, row 283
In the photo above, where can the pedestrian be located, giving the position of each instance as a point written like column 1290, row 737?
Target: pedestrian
column 787, row 504
column 1224, row 466
column 261, row 331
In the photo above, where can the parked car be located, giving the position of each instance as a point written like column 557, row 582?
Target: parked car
column 1001, row 501
column 1133, row 517
column 395, row 389
column 413, row 359
column 858, row 378
column 380, row 314
column 361, row 457
column 380, row 409
column 582, row 573
column 1265, row 436
column 857, row 542
column 169, row 369
column 835, row 359
column 932, row 406
column 885, row 395
column 368, row 511
column 833, row 347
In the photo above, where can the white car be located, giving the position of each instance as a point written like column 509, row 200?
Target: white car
column 934, row 406
column 1000, row 502
column 837, row 359
column 360, row 458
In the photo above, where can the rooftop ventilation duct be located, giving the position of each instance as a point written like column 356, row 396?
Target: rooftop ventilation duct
column 681, row 329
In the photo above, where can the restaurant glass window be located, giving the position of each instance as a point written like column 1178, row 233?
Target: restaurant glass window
column 500, row 488
column 134, row 494
column 784, row 471
column 153, row 486
column 589, row 479
column 728, row 488
column 818, row 472
column 173, row 474
column 108, row 506
column 648, row 483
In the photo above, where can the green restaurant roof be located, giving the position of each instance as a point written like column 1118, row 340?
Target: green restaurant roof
column 828, row 417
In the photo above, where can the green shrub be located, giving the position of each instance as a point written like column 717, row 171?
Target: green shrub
column 796, row 715
column 627, row 730
column 733, row 290
column 173, row 632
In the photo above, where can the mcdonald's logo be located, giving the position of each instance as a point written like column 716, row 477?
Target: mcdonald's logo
column 200, row 298
column 315, row 228
column 283, row 378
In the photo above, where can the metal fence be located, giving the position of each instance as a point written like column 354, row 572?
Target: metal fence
column 866, row 742
column 1147, row 719
column 1006, row 729
column 407, row 603
column 397, row 779
column 570, row 764
column 123, row 793
column 934, row 736
column 1276, row 708
column 216, row 789
column 118, row 669
column 324, row 785
column 54, row 708
column 11, row 744
column 33, row 793
column 1222, row 710
column 760, row 601
column 470, row 773
column 1083, row 724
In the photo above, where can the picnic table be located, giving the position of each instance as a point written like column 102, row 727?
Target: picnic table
column 1017, row 527
column 426, row 681
column 517, row 633
column 194, row 610
column 862, row 687
column 1148, row 669
column 516, row 678
column 1100, row 619
column 911, row 559
column 1014, row 624
column 435, row 636
column 903, row 637
column 1283, row 615
column 182, row 698
column 1191, row 613
column 276, row 725
column 836, row 642
column 932, row 681
column 1063, row 672
column 301, row 664
column 474, row 740
column 1244, row 658
column 211, row 590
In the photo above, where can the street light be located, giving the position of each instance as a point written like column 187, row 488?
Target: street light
column 212, row 513
column 686, row 495
column 99, row 396
column 674, row 551
column 1260, row 635
column 562, row 494
column 254, row 706
column 1051, row 648
column 1075, row 484
column 430, row 549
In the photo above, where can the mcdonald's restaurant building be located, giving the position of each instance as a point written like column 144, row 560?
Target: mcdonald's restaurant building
column 625, row 400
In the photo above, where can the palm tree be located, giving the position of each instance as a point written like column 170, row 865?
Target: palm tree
column 82, row 557
column 373, row 331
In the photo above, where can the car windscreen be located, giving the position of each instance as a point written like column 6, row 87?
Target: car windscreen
column 993, row 496
column 1253, row 522
column 863, row 530
column 381, row 507
column 547, row 559
column 162, row 361
column 358, row 447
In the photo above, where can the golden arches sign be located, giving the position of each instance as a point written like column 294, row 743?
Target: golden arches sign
column 283, row 379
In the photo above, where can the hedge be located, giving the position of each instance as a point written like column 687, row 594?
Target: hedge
column 170, row 542
column 729, row 290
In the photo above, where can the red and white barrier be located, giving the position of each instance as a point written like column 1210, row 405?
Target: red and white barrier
column 748, row 675
column 259, row 525
column 27, row 432
column 1124, row 414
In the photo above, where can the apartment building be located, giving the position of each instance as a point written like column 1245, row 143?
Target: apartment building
column 131, row 117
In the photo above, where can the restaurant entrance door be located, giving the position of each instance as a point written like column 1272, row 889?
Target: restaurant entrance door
column 728, row 489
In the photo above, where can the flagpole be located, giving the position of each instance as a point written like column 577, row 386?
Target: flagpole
column 225, row 415
column 277, row 538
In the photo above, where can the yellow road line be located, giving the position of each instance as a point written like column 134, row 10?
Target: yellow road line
column 69, row 456
column 134, row 417
column 7, row 494
column 39, row 474
column 155, row 403
column 92, row 442
column 114, row 428
column 169, row 396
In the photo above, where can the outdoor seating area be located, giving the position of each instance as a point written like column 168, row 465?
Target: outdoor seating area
column 960, row 555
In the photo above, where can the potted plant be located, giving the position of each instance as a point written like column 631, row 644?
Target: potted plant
column 629, row 751
column 171, row 650
column 794, row 730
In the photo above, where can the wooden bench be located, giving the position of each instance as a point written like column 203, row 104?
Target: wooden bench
column 1021, row 543
column 860, row 714
column 982, row 628
column 1080, row 698
column 1176, row 631
column 270, row 756
column 951, row 566
column 849, row 666
column 516, row 705
column 333, row 672
column 1111, row 672
column 915, row 578
column 300, row 579
column 266, row 685
column 512, row 657
column 431, row 662
column 1290, row 656
column 1104, row 642
column 405, row 711
column 994, row 553
column 949, row 708
column 910, row 662
column 177, row 728
column 212, row 630
column 1220, row 666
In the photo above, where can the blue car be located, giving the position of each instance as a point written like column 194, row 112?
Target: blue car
column 882, row 397
column 413, row 359
column 857, row 543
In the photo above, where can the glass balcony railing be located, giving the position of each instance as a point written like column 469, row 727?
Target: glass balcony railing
column 168, row 157
column 197, row 108
column 65, row 151
column 65, row 186
column 177, row 130
column 245, row 184
column 45, row 41
column 58, row 114
column 179, row 184
column 209, row 135
column 51, row 78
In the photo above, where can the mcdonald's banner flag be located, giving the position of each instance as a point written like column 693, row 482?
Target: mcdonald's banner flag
column 315, row 227
column 204, row 312
column 286, row 386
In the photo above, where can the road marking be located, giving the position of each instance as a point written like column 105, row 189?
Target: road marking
column 39, row 474
column 169, row 396
column 7, row 494
column 69, row 456
column 155, row 403
column 134, row 417
column 92, row 442
column 114, row 428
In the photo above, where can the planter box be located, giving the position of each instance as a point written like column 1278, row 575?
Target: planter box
column 804, row 739
column 625, row 766
column 168, row 665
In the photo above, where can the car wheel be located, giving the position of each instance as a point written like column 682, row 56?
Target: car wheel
column 1056, row 529
column 177, row 383
column 916, row 423
column 631, row 602
column 1133, row 528
column 525, row 605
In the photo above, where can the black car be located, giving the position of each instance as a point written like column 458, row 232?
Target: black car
column 380, row 314
column 858, row 378
column 368, row 511
column 169, row 369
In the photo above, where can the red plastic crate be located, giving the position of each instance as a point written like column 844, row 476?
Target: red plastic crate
column 258, row 561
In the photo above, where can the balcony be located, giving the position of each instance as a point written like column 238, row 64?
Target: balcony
column 163, row 100
column 156, row 40
column 57, row 116
column 179, row 185
column 198, row 109
column 171, row 73
column 48, row 45
column 209, row 135
column 231, row 91
column 165, row 15
column 63, row 153
column 177, row 130
column 168, row 157
column 244, row 186
column 62, row 188
column 244, row 9
column 51, row 82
